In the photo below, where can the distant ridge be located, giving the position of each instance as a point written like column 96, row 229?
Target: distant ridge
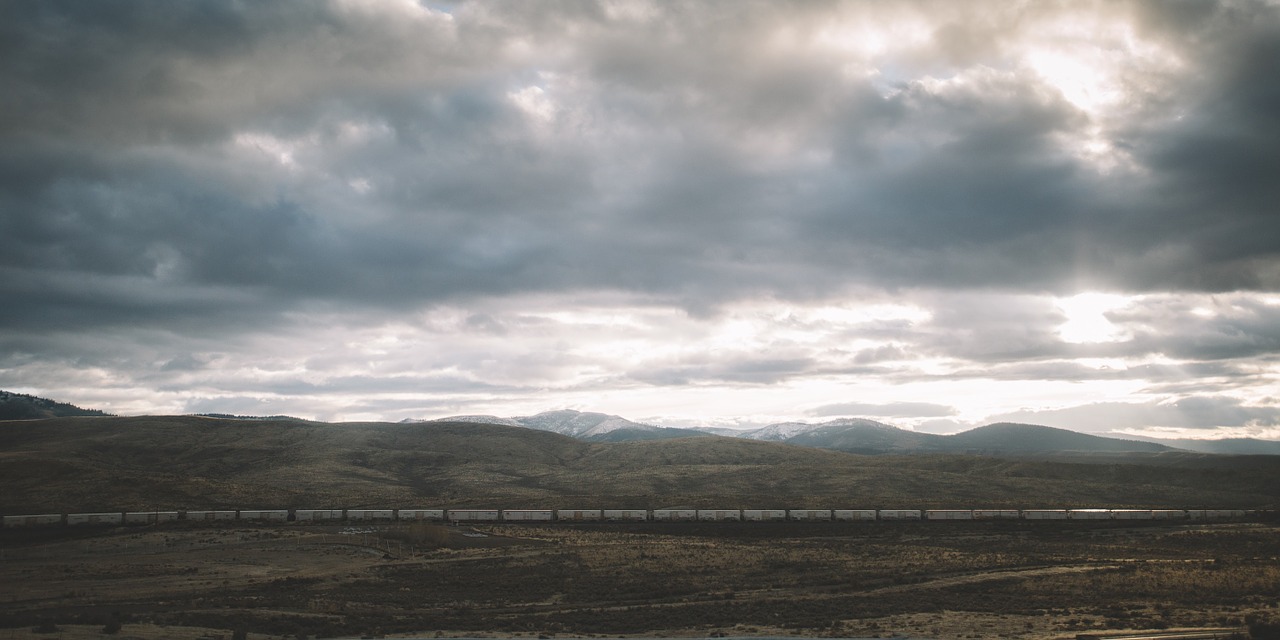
column 1225, row 446
column 20, row 406
column 590, row 426
column 850, row 435
column 227, row 416
column 1008, row 437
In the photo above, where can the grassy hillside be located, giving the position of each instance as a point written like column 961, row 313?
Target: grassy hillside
column 1006, row 437
column 199, row 462
column 20, row 406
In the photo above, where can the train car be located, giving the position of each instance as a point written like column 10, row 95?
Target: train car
column 809, row 515
column 675, row 515
column 210, row 516
column 1044, row 514
column 371, row 514
column 853, row 515
column 1168, row 514
column 317, row 515
column 899, row 514
column 719, row 515
column 579, row 515
column 1131, row 514
column 268, row 515
column 33, row 520
column 625, row 515
column 114, row 517
column 760, row 515
column 150, row 517
column 429, row 515
column 1215, row 514
column 528, row 515
column 995, row 514
column 948, row 514
column 1088, row 514
column 473, row 515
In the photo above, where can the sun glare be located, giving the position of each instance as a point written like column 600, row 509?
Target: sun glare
column 1087, row 320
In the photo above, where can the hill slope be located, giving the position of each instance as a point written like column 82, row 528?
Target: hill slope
column 1007, row 437
column 193, row 462
column 19, row 406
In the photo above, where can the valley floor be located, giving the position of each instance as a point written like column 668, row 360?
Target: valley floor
column 934, row 580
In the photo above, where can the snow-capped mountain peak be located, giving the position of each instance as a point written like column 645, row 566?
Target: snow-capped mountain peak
column 482, row 419
column 578, row 424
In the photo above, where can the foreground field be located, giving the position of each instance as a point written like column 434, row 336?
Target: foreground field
column 1016, row 580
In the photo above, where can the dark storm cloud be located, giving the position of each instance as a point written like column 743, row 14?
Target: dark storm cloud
column 674, row 164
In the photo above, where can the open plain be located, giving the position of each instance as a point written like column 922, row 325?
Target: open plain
column 922, row 579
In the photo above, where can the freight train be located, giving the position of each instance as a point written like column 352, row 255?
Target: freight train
column 613, row 515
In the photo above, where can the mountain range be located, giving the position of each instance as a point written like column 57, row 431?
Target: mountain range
column 859, row 435
column 851, row 435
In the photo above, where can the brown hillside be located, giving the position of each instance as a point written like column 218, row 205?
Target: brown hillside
column 176, row 462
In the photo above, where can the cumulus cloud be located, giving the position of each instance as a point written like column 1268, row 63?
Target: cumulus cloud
column 195, row 189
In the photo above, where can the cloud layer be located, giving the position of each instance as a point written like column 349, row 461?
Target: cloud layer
column 358, row 208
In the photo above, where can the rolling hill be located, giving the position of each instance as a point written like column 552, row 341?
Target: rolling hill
column 20, row 406
column 1006, row 437
column 853, row 435
column 176, row 462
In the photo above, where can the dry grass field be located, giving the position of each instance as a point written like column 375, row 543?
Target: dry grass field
column 931, row 580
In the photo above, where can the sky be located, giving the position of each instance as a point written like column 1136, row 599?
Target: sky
column 932, row 214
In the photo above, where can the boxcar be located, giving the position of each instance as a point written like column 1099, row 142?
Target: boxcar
column 528, row 515
column 853, row 515
column 95, row 518
column 762, row 515
column 809, row 514
column 995, row 514
column 1130, row 514
column 719, row 515
column 33, row 520
column 625, row 515
column 270, row 515
column 211, row 515
column 313, row 515
column 578, row 515
column 435, row 515
column 675, row 515
column 1044, row 514
column 1215, row 514
column 948, row 514
column 899, row 514
column 371, row 514
column 149, row 517
column 473, row 515
column 1089, row 514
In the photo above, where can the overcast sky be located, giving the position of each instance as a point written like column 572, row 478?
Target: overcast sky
column 933, row 214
